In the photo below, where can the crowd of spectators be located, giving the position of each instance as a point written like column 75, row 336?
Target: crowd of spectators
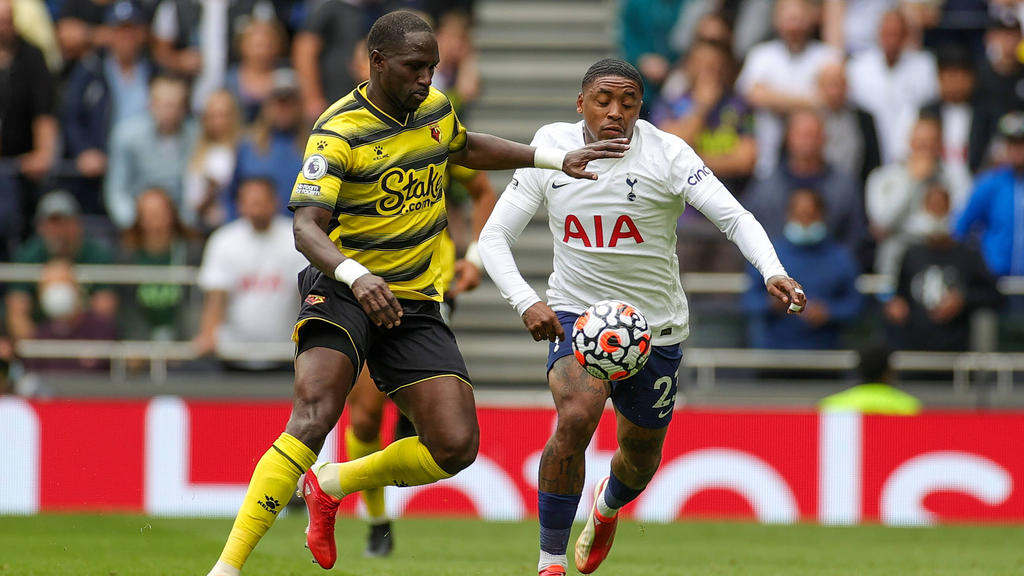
column 879, row 136
column 170, row 132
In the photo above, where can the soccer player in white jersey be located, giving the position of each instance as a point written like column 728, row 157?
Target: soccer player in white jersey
column 614, row 237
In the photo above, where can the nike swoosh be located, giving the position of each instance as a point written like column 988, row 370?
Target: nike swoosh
column 665, row 413
column 556, row 186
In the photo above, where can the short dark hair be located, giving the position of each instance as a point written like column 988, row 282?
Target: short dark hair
column 263, row 181
column 388, row 32
column 955, row 57
column 874, row 363
column 613, row 67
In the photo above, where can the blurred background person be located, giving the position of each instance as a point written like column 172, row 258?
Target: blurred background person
column 457, row 74
column 212, row 166
column 105, row 88
column 712, row 118
column 807, row 251
column 940, row 283
column 59, row 236
column 248, row 276
column 805, row 167
column 150, row 150
column 779, row 77
column 274, row 144
column 894, row 195
column 35, row 24
column 1000, row 83
column 82, row 27
column 892, row 81
column 993, row 211
column 851, row 142
column 876, row 394
column 153, row 311
column 261, row 46
column 67, row 316
column 955, row 109
column 329, row 37
column 644, row 30
column 28, row 126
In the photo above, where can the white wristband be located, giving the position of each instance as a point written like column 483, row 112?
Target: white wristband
column 349, row 271
column 550, row 158
column 473, row 256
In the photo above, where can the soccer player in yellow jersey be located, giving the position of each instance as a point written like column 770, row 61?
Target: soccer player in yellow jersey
column 369, row 213
column 366, row 402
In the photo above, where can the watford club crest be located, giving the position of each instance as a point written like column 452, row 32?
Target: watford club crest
column 435, row 132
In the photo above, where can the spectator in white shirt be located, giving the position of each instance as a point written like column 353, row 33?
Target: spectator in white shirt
column 892, row 82
column 248, row 277
column 780, row 77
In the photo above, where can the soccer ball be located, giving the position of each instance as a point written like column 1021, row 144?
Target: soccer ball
column 611, row 340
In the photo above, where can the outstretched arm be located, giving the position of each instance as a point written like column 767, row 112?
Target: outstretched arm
column 487, row 152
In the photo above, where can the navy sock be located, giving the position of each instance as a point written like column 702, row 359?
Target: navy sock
column 556, row 512
column 617, row 494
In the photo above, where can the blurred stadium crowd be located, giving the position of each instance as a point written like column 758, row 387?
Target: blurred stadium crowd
column 881, row 136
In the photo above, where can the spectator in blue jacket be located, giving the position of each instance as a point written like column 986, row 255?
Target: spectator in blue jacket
column 645, row 29
column 829, row 274
column 993, row 210
column 104, row 88
column 273, row 148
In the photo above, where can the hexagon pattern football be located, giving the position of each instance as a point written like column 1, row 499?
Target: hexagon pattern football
column 612, row 340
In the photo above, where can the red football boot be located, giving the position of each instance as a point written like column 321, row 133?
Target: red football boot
column 595, row 541
column 323, row 510
column 553, row 570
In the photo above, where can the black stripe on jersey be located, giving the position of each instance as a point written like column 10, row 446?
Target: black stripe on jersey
column 356, row 209
column 416, row 164
column 300, row 204
column 410, row 272
column 429, row 291
column 370, row 138
column 403, row 241
column 380, row 115
column 355, row 104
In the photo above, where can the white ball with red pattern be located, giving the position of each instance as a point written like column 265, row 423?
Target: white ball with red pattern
column 612, row 340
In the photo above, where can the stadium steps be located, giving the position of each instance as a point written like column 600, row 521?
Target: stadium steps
column 532, row 56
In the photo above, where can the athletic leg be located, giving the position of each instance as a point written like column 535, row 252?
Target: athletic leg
column 633, row 465
column 322, row 379
column 579, row 400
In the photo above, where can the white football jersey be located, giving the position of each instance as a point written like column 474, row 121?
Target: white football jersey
column 615, row 237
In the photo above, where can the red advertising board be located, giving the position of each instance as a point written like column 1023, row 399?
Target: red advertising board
column 170, row 456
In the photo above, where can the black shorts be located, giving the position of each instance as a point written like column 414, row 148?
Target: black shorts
column 420, row 348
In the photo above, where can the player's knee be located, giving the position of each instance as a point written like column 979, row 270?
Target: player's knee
column 313, row 416
column 365, row 425
column 455, row 450
column 575, row 426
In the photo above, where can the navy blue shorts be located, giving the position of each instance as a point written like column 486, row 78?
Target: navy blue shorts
column 647, row 398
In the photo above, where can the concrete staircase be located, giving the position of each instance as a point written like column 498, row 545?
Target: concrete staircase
column 532, row 58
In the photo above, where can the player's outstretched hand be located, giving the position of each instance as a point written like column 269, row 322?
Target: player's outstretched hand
column 575, row 163
column 377, row 301
column 543, row 324
column 467, row 277
column 788, row 291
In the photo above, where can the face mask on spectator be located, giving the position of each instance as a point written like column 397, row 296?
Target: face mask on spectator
column 927, row 225
column 59, row 300
column 808, row 235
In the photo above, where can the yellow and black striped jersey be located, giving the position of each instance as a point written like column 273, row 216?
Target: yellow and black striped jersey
column 383, row 180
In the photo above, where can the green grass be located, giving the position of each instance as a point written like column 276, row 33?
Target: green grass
column 82, row 545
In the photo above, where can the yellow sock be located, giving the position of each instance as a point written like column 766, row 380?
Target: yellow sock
column 373, row 497
column 272, row 485
column 406, row 462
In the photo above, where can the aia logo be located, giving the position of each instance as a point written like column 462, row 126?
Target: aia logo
column 270, row 504
column 623, row 229
column 701, row 173
column 435, row 132
column 314, row 299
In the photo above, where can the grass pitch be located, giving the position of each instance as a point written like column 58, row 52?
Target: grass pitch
column 85, row 545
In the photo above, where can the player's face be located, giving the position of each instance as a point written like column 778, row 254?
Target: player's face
column 610, row 106
column 406, row 74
